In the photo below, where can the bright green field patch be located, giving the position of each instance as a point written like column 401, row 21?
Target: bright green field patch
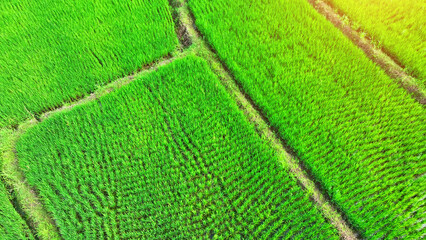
column 169, row 156
column 397, row 25
column 54, row 51
column 362, row 136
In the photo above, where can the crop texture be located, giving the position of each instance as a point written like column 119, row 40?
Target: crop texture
column 12, row 226
column 54, row 51
column 168, row 156
column 398, row 26
column 360, row 135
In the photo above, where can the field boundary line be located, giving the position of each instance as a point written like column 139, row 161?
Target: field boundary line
column 36, row 216
column 390, row 65
column 261, row 125
column 114, row 85
column 28, row 199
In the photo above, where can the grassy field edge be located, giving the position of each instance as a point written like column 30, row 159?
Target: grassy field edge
column 38, row 219
column 14, row 224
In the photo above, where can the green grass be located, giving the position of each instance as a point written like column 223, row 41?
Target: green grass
column 362, row 137
column 57, row 51
column 169, row 156
column 12, row 226
column 398, row 26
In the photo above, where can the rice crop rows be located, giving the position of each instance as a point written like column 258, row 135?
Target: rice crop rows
column 398, row 26
column 360, row 135
column 169, row 156
column 55, row 51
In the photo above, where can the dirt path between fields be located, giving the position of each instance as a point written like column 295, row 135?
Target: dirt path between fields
column 390, row 65
column 24, row 197
column 261, row 124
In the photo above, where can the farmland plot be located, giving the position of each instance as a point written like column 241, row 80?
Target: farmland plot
column 168, row 156
column 398, row 26
column 56, row 51
column 361, row 136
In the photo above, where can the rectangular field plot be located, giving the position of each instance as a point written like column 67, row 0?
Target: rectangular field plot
column 361, row 136
column 169, row 156
column 56, row 51
column 397, row 25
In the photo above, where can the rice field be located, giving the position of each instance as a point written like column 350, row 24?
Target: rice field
column 57, row 51
column 359, row 133
column 210, row 119
column 397, row 26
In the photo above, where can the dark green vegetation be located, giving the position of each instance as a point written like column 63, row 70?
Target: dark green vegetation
column 168, row 156
column 56, row 51
column 360, row 135
column 12, row 226
column 398, row 26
